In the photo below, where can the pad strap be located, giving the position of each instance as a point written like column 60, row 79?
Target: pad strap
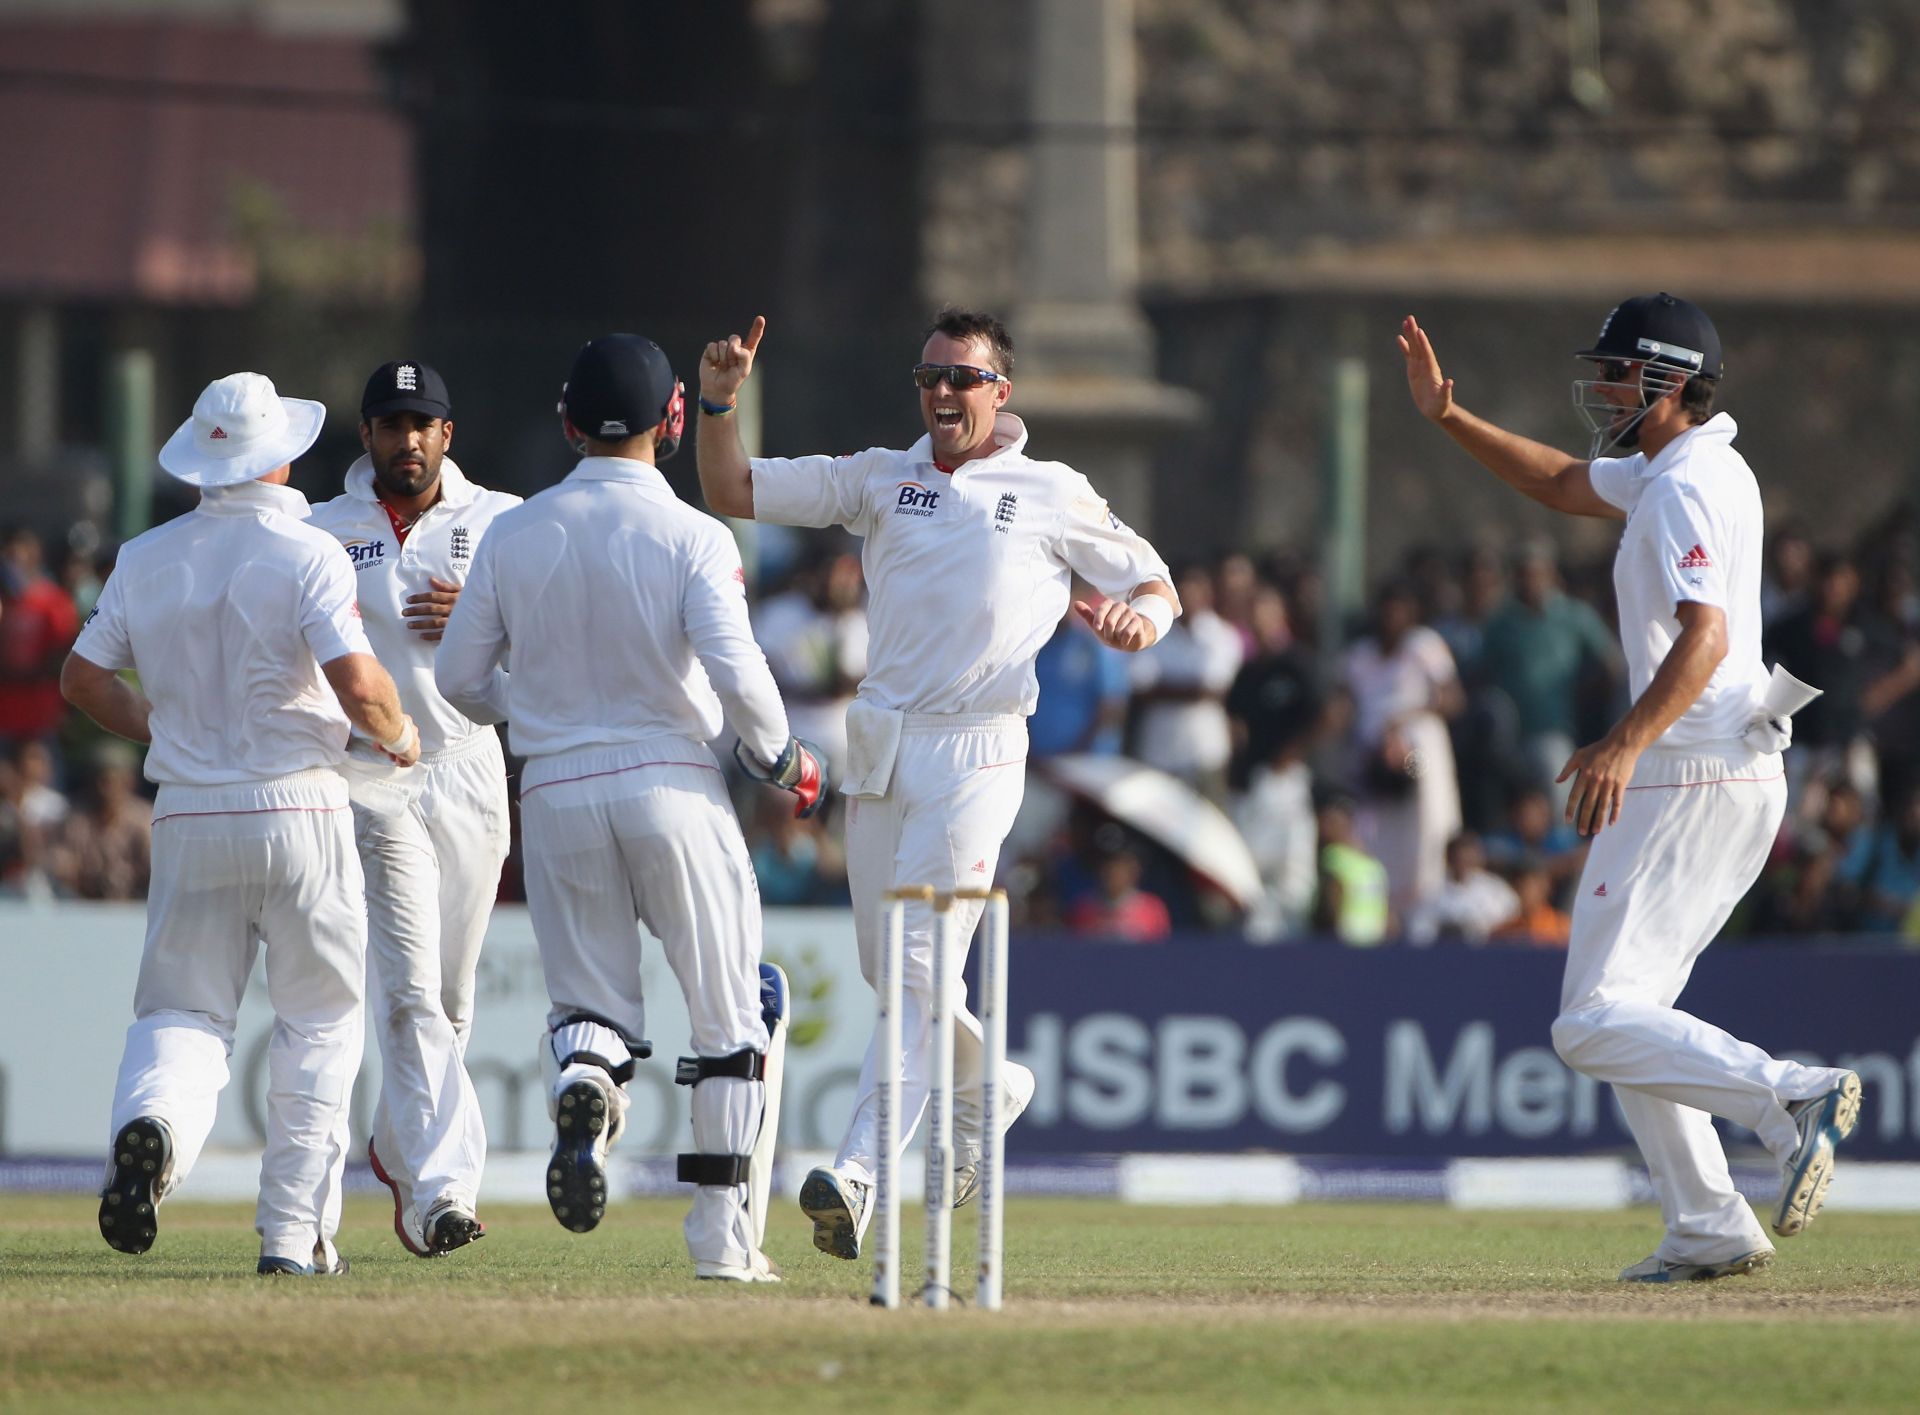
column 721, row 1171
column 585, row 1039
column 743, row 1065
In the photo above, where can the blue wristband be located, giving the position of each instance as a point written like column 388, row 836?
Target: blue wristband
column 716, row 410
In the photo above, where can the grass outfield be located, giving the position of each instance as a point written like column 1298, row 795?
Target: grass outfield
column 1320, row 1307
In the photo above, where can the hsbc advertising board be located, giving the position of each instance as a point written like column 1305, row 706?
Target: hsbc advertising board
column 1205, row 1044
column 1202, row 1044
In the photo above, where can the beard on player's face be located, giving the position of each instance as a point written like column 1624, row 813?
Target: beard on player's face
column 406, row 455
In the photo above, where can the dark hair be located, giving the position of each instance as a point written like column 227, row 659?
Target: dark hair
column 1696, row 398
column 968, row 325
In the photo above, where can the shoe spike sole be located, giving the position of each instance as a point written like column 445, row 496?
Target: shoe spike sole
column 128, row 1218
column 576, row 1183
column 833, row 1229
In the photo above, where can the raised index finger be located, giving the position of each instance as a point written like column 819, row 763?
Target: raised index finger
column 753, row 334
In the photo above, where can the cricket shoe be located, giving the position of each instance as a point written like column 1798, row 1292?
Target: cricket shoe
column 451, row 1224
column 138, row 1172
column 1659, row 1269
column 319, row 1267
column 759, row 1269
column 577, row 1173
column 1018, row 1084
column 839, row 1208
column 1824, row 1121
column 402, row 1208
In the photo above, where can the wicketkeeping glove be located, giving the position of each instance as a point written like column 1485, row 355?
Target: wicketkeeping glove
column 801, row 769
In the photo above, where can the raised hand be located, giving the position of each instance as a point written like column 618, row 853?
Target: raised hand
column 1118, row 625
column 1432, row 391
column 727, row 362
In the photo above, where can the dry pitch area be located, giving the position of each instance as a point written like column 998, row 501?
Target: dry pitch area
column 1324, row 1307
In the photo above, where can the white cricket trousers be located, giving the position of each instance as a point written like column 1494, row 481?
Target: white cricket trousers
column 956, row 787
column 235, row 867
column 432, row 875
column 1693, row 833
column 609, row 842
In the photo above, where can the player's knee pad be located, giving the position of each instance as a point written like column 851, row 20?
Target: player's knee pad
column 583, row 1042
column 722, row 1170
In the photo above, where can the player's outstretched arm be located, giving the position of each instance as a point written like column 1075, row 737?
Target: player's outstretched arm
column 726, row 475
column 1544, row 473
column 107, row 698
column 372, row 704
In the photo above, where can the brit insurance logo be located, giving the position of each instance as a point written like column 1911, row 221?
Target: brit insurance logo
column 915, row 500
column 365, row 554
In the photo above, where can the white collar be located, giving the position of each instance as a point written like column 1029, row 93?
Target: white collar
column 1718, row 428
column 626, row 469
column 1009, row 439
column 455, row 489
column 243, row 498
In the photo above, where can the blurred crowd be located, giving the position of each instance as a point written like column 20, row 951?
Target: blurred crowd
column 1398, row 788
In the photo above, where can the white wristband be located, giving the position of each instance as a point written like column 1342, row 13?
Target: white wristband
column 409, row 735
column 1156, row 610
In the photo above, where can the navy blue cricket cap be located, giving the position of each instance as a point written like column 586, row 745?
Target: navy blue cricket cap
column 1662, row 329
column 620, row 385
column 405, row 386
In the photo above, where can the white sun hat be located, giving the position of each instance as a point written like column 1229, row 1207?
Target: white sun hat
column 241, row 429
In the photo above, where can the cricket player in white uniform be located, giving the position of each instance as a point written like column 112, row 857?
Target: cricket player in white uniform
column 1685, row 795
column 432, row 843
column 625, row 613
column 240, row 619
column 970, row 546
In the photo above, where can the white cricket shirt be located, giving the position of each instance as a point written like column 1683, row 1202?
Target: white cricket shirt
column 969, row 571
column 440, row 545
column 227, row 614
column 625, row 614
column 1694, row 534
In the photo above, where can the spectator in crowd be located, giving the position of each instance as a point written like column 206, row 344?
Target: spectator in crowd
column 1801, row 892
column 1787, row 578
column 1121, row 910
column 1483, row 588
column 1236, row 583
column 1833, row 644
column 1535, row 831
column 37, row 627
column 1470, row 903
column 1351, row 900
column 1538, row 923
column 795, row 861
column 1083, row 691
column 17, row 842
column 105, row 851
column 1278, row 711
column 1538, row 648
column 1892, row 702
column 41, row 803
column 1181, row 690
column 81, row 577
column 1883, row 868
column 814, row 634
column 1404, row 689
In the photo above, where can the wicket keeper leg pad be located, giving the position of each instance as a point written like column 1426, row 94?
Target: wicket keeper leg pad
column 746, row 1064
column 583, row 1039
